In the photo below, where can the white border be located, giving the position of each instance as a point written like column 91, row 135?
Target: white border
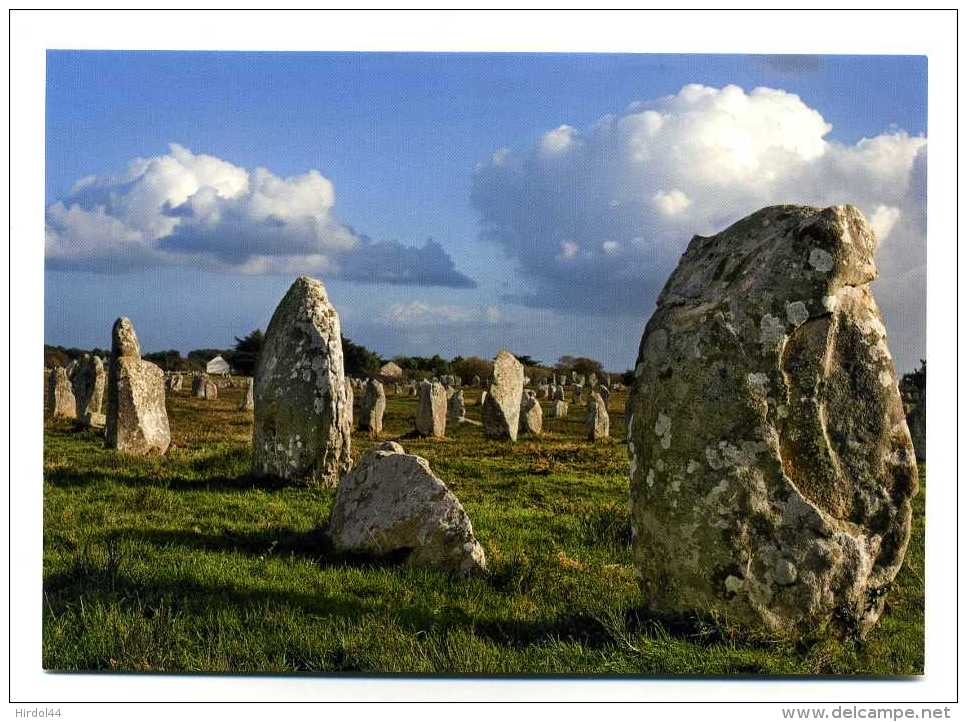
column 881, row 32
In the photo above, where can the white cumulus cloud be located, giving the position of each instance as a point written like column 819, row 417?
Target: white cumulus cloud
column 187, row 208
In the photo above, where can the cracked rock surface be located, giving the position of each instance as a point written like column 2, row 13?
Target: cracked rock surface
column 302, row 411
column 771, row 465
column 392, row 502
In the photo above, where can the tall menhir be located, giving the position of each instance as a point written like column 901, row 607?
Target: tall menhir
column 302, row 412
column 771, row 465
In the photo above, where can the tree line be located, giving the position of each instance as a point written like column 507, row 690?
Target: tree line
column 357, row 360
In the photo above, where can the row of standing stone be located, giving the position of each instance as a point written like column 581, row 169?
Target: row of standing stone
column 508, row 409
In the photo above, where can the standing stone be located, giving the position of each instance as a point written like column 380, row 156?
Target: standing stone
column 558, row 410
column 456, row 408
column 576, row 393
column 303, row 414
column 531, row 415
column 202, row 387
column 137, row 420
column 604, row 392
column 596, row 422
column 174, row 382
column 771, row 466
column 88, row 383
column 475, row 381
column 392, row 502
column 431, row 415
column 248, row 398
column 483, row 397
column 350, row 401
column 61, row 403
column 501, row 409
column 372, row 407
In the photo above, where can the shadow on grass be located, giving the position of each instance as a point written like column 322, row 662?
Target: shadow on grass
column 68, row 478
column 314, row 545
column 65, row 591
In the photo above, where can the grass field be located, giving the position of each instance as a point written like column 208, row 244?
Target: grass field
column 187, row 564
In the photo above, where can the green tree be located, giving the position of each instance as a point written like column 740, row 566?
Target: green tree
column 358, row 360
column 580, row 364
column 170, row 360
column 247, row 351
column 467, row 368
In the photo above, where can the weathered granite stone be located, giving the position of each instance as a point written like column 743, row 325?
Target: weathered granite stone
column 61, row 403
column 136, row 421
column 604, row 392
column 501, row 409
column 174, row 382
column 596, row 422
column 577, row 394
column 350, row 400
column 88, row 383
column 456, row 408
column 431, row 414
column 302, row 412
column 371, row 408
column 392, row 502
column 202, row 387
column 531, row 415
column 248, row 398
column 558, row 410
column 771, row 465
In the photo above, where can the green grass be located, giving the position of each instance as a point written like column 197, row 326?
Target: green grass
column 187, row 564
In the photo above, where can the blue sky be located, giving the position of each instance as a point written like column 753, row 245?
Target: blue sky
column 407, row 143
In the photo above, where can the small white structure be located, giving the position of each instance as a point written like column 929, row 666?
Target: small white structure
column 218, row 365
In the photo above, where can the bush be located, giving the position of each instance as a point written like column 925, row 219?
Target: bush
column 247, row 351
column 358, row 360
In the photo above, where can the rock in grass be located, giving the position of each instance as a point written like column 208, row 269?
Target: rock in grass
column 431, row 414
column 456, row 408
column 302, row 411
column 248, row 398
column 531, row 415
column 596, row 422
column 501, row 408
column 202, row 387
column 136, row 421
column 350, row 400
column 392, row 502
column 372, row 407
column 88, row 383
column 558, row 410
column 771, row 466
column 61, row 403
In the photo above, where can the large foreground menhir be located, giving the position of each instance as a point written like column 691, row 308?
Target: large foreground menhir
column 771, row 465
